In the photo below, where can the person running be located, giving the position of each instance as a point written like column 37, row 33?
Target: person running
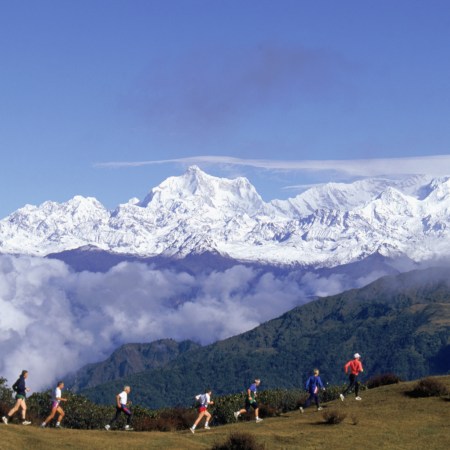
column 313, row 384
column 122, row 407
column 250, row 401
column 57, row 398
column 19, row 387
column 354, row 366
column 205, row 401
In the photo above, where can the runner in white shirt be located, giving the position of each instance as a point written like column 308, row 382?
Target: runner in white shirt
column 122, row 407
column 205, row 401
column 56, row 408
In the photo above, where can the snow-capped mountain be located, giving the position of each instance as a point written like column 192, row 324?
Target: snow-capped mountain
column 324, row 226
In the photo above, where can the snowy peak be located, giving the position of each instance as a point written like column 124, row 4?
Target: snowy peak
column 325, row 226
column 348, row 196
column 202, row 189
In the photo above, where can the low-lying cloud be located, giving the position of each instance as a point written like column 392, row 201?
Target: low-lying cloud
column 54, row 320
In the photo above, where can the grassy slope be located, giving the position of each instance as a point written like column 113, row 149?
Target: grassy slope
column 386, row 418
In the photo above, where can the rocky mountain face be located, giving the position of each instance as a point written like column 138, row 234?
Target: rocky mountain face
column 325, row 226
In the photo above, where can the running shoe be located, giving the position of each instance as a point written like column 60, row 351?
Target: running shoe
column 192, row 430
column 107, row 427
column 26, row 422
column 258, row 420
column 301, row 410
column 341, row 397
column 358, row 398
column 5, row 420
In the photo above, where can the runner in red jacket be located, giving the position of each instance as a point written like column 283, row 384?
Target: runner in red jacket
column 354, row 367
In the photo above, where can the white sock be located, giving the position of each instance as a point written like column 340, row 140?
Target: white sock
column 57, row 424
column 193, row 427
column 206, row 423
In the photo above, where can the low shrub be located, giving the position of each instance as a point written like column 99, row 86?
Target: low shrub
column 429, row 387
column 333, row 416
column 175, row 419
column 225, row 406
column 239, row 441
column 267, row 411
column 281, row 400
column 382, row 380
column 6, row 397
column 355, row 419
column 331, row 393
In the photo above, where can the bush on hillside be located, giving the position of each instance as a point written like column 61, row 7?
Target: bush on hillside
column 333, row 416
column 225, row 406
column 239, row 441
column 429, row 387
column 175, row 419
column 332, row 393
column 278, row 401
column 6, row 397
column 283, row 400
column 271, row 403
column 355, row 419
column 382, row 380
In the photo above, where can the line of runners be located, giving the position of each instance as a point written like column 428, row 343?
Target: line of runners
column 314, row 383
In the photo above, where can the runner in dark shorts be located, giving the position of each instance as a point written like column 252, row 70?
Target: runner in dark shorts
column 21, row 390
column 122, row 407
column 250, row 401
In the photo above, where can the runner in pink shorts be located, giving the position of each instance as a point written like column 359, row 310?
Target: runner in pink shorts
column 56, row 408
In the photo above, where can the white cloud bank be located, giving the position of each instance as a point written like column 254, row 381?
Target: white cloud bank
column 54, row 320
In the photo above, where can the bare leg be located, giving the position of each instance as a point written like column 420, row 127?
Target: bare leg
column 200, row 417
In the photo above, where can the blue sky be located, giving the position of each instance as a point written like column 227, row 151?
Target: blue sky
column 107, row 98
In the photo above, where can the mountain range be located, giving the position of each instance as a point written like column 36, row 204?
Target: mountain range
column 196, row 213
column 399, row 324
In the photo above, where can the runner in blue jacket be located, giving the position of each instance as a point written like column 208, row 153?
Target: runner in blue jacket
column 313, row 384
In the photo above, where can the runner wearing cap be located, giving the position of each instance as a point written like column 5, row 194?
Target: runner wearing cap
column 354, row 366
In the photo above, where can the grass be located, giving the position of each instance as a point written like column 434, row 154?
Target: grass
column 385, row 418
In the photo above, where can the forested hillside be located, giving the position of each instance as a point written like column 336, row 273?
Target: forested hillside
column 399, row 324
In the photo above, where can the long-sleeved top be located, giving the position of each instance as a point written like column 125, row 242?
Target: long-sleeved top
column 313, row 384
column 19, row 386
column 355, row 367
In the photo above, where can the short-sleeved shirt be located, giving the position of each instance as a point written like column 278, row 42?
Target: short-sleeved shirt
column 123, row 396
column 205, row 399
column 56, row 395
column 253, row 389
